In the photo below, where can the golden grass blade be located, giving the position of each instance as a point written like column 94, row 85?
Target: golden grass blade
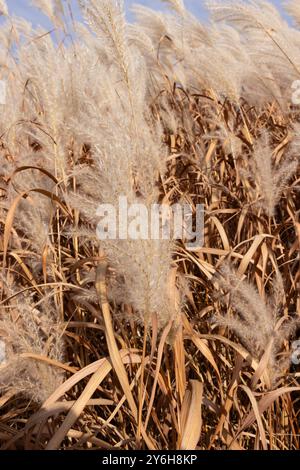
column 104, row 363
column 111, row 342
column 222, row 233
column 114, row 353
column 261, row 371
column 76, row 409
column 179, row 360
column 191, row 415
column 264, row 403
column 222, row 427
column 60, row 407
column 158, row 365
column 123, row 399
column 26, row 271
column 236, row 347
column 39, row 168
column 258, row 240
column 257, row 415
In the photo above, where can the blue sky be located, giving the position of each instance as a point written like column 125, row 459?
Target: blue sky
column 24, row 9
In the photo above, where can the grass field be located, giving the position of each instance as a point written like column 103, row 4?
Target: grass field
column 148, row 344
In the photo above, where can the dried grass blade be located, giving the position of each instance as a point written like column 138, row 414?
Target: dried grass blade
column 191, row 416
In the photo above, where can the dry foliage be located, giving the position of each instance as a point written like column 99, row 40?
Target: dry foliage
column 146, row 344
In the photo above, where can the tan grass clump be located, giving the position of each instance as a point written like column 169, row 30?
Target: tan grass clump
column 134, row 344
